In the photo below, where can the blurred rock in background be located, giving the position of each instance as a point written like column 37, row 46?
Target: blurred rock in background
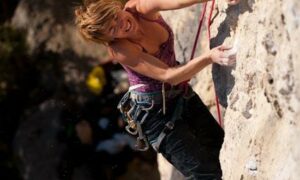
column 55, row 92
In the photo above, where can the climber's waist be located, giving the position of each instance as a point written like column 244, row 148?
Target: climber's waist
column 154, row 97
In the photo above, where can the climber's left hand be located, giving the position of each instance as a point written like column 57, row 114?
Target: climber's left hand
column 232, row 2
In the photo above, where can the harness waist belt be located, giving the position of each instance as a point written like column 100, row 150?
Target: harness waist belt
column 155, row 97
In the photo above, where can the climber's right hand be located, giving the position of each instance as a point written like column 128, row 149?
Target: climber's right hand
column 222, row 55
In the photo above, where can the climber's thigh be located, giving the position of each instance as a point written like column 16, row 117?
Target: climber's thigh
column 202, row 123
column 181, row 148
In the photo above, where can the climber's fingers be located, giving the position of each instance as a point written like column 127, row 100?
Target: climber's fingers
column 223, row 55
column 223, row 61
column 232, row 60
column 226, row 61
column 224, row 47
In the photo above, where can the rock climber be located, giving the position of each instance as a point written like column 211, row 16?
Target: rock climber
column 174, row 122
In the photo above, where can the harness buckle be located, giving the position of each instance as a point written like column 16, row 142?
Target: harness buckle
column 170, row 125
column 131, row 130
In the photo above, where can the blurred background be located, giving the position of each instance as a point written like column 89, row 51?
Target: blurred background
column 58, row 98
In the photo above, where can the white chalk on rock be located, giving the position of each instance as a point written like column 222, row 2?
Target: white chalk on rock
column 231, row 53
column 233, row 50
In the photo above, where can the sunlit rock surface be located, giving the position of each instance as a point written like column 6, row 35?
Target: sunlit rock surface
column 260, row 94
column 262, row 91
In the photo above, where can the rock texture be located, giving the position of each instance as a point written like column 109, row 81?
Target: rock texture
column 262, row 91
column 260, row 94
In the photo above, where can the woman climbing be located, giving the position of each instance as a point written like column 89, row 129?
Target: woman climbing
column 158, row 110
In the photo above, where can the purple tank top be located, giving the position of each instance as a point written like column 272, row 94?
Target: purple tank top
column 166, row 54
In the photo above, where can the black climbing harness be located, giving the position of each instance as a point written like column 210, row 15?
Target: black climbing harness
column 135, row 115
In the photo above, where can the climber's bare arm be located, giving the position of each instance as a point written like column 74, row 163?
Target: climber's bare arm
column 153, row 6
column 132, row 56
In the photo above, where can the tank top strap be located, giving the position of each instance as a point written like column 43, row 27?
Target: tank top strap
column 160, row 21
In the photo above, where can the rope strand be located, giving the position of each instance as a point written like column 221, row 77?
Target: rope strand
column 209, row 37
column 195, row 46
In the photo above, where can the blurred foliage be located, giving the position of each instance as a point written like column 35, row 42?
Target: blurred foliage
column 12, row 49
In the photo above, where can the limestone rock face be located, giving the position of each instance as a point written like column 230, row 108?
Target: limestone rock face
column 260, row 93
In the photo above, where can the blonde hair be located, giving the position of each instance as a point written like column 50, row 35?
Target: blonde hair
column 94, row 17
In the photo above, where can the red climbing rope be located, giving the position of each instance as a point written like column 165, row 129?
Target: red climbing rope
column 209, row 36
column 196, row 39
column 199, row 30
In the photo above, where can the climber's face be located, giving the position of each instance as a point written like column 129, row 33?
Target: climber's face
column 123, row 25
